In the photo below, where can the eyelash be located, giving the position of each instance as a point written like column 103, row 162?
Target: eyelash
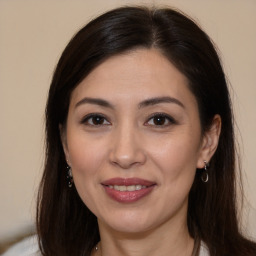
column 86, row 119
column 165, row 117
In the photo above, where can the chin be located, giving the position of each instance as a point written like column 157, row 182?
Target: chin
column 130, row 228
column 130, row 223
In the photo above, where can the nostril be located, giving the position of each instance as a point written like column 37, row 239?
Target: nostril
column 126, row 149
column 127, row 161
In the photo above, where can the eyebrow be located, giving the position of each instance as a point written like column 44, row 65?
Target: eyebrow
column 159, row 100
column 145, row 103
column 94, row 101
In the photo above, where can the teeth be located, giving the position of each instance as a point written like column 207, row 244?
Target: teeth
column 130, row 188
column 122, row 188
column 138, row 187
column 127, row 188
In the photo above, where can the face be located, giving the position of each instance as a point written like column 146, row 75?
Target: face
column 133, row 140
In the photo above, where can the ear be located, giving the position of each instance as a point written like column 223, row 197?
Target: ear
column 210, row 142
column 63, row 138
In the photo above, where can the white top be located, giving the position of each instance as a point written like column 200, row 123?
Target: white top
column 29, row 247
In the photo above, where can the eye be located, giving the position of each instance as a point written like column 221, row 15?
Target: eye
column 160, row 119
column 95, row 120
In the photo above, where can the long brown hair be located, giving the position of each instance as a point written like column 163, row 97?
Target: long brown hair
column 65, row 225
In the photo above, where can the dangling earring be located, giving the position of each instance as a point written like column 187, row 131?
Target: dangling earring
column 205, row 175
column 70, row 177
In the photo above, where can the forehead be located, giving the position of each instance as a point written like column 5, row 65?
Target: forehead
column 138, row 74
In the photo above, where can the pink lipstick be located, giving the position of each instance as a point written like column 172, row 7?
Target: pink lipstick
column 127, row 190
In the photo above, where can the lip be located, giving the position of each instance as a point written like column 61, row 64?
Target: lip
column 127, row 196
column 127, row 182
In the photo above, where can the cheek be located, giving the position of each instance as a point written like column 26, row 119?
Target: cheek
column 87, row 157
column 177, row 158
column 177, row 163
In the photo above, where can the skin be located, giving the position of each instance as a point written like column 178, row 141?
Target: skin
column 128, row 142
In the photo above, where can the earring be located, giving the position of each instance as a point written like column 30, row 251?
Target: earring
column 70, row 177
column 205, row 175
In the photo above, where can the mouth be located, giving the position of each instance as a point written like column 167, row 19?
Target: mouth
column 127, row 190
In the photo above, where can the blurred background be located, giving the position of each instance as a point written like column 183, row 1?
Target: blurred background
column 33, row 34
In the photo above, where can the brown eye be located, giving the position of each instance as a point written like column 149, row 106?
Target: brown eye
column 95, row 120
column 160, row 120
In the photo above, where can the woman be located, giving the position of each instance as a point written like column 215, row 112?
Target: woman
column 140, row 156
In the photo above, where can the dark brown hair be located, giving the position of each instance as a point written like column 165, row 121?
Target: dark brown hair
column 65, row 225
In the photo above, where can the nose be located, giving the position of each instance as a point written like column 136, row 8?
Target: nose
column 127, row 148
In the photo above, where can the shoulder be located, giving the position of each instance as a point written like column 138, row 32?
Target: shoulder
column 204, row 250
column 27, row 247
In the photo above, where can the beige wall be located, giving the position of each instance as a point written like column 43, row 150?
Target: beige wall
column 32, row 36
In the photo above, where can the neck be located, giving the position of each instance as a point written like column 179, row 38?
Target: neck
column 167, row 239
